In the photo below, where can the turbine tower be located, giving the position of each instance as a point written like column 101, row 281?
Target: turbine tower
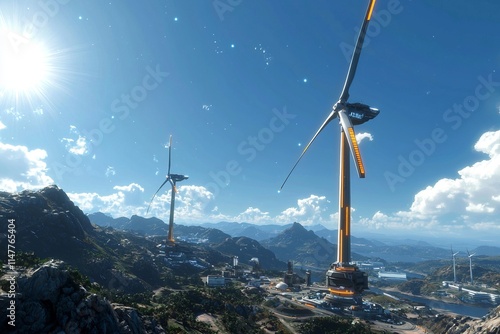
column 454, row 264
column 470, row 266
column 173, row 179
column 343, row 278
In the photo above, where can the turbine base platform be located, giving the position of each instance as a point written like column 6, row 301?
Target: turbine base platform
column 346, row 282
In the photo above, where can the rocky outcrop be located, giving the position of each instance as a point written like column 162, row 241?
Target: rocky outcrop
column 46, row 222
column 49, row 300
column 447, row 324
column 49, row 225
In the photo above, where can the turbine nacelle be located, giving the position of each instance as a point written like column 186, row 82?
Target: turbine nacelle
column 177, row 177
column 171, row 178
column 360, row 113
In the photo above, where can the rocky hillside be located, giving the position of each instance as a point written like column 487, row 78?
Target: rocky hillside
column 50, row 299
column 464, row 325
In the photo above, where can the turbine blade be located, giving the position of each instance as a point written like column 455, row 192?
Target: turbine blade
column 332, row 115
column 357, row 52
column 156, row 193
column 169, row 154
column 353, row 143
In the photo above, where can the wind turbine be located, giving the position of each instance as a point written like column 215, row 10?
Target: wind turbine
column 173, row 179
column 454, row 262
column 345, row 279
column 470, row 265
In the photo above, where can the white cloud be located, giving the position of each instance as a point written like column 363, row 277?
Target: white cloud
column 309, row 211
column 363, row 135
column 2, row 126
column 22, row 168
column 78, row 146
column 254, row 216
column 110, row 171
column 469, row 202
column 192, row 204
column 474, row 191
column 125, row 202
column 489, row 143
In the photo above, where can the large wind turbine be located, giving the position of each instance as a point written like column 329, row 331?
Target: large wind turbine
column 173, row 179
column 345, row 279
column 470, row 265
column 454, row 263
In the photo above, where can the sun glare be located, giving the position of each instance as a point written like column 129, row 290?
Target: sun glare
column 24, row 65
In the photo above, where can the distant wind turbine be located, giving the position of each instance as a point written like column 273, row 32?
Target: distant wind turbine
column 454, row 264
column 470, row 265
column 173, row 179
column 344, row 279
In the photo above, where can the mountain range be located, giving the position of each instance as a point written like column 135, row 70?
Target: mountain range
column 307, row 245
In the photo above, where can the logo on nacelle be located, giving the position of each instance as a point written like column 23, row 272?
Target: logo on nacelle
column 357, row 115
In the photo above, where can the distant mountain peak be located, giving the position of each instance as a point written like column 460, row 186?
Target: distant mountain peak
column 297, row 231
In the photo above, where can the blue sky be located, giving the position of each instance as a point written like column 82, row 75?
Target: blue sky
column 242, row 86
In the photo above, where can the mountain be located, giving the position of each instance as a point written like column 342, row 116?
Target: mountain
column 304, row 248
column 247, row 249
column 391, row 250
column 145, row 226
column 200, row 234
column 257, row 232
column 486, row 250
column 405, row 253
column 361, row 243
column 101, row 219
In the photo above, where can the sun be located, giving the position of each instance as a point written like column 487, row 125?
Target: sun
column 24, row 64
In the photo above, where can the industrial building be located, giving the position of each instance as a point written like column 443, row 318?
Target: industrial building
column 216, row 280
column 391, row 275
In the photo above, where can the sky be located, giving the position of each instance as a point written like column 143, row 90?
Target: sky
column 90, row 92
